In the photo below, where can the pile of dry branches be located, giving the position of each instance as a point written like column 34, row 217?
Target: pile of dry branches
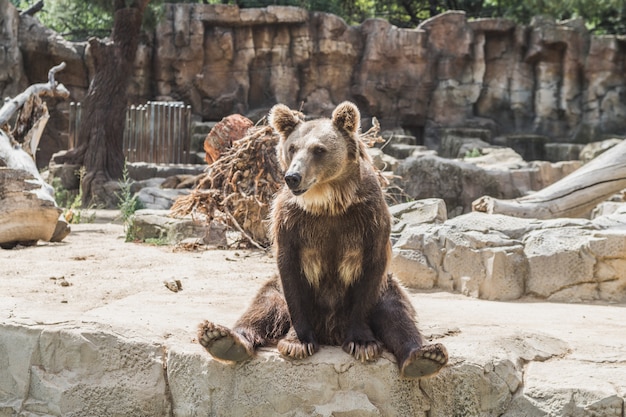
column 239, row 186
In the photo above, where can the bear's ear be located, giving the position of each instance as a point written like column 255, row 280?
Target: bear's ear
column 346, row 117
column 283, row 120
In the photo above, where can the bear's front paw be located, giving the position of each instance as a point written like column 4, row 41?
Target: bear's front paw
column 222, row 343
column 363, row 351
column 292, row 347
column 425, row 361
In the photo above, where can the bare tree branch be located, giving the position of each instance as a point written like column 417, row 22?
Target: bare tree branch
column 50, row 89
column 33, row 9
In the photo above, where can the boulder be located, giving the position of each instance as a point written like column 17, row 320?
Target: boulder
column 499, row 172
column 381, row 160
column 142, row 171
column 86, row 372
column 555, row 152
column 158, row 225
column 498, row 257
column 457, row 183
column 594, row 149
column 68, row 175
column 559, row 265
column 497, row 159
column 431, row 210
column 457, row 143
column 157, row 198
column 530, row 147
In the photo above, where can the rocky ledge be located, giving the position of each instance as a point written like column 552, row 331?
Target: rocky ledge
column 499, row 257
column 88, row 328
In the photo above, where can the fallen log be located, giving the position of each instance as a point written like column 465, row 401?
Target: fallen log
column 573, row 196
column 28, row 212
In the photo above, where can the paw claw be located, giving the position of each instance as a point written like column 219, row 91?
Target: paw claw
column 363, row 351
column 292, row 347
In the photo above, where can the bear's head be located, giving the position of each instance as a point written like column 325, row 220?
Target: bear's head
column 321, row 157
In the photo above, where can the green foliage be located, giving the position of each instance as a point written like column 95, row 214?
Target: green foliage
column 71, row 202
column 474, row 153
column 601, row 16
column 74, row 19
column 79, row 19
column 162, row 241
column 127, row 203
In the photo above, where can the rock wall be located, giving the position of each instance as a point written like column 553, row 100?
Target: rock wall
column 548, row 78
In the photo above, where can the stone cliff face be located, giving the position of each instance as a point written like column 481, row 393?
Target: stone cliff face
column 548, row 78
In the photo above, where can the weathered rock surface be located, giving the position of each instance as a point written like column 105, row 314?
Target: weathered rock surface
column 139, row 171
column 594, row 149
column 12, row 77
column 160, row 226
column 498, row 257
column 547, row 79
column 156, row 198
column 88, row 328
column 460, row 182
column 448, row 72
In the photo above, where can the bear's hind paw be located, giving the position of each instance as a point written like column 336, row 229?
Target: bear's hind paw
column 425, row 361
column 222, row 343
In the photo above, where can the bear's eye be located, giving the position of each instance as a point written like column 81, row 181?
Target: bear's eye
column 319, row 150
column 291, row 150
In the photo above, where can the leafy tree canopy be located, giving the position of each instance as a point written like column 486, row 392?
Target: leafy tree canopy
column 79, row 19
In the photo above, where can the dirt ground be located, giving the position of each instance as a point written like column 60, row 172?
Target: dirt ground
column 99, row 285
column 94, row 276
column 93, row 272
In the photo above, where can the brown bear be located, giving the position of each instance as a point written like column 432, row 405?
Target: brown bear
column 331, row 231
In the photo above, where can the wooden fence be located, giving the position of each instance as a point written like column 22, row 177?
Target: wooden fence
column 157, row 132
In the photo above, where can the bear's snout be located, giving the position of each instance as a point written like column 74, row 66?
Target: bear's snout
column 293, row 179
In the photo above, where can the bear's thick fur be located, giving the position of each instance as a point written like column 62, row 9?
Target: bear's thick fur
column 330, row 226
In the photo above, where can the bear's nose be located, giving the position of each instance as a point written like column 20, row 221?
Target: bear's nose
column 293, row 180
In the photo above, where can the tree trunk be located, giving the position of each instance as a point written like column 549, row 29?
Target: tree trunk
column 573, row 196
column 101, row 132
